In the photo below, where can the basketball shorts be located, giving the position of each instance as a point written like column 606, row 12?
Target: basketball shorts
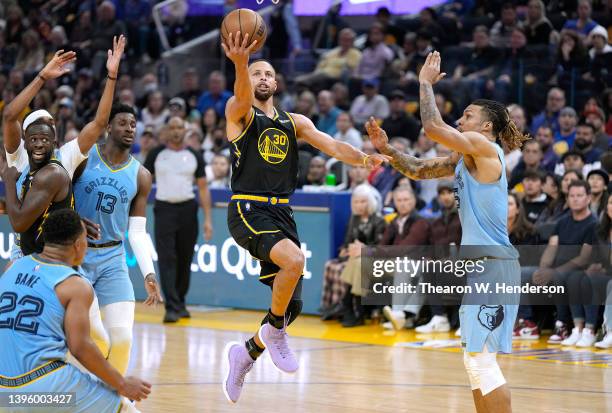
column 257, row 227
column 91, row 395
column 106, row 269
column 490, row 319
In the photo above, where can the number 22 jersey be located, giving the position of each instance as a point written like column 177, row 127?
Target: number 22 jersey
column 104, row 195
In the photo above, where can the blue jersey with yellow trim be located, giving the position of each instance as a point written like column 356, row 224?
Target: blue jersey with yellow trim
column 31, row 315
column 104, row 195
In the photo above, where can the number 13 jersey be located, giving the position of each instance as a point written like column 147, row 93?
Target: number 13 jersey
column 104, row 195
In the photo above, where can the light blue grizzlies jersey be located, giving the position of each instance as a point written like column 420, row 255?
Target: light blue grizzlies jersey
column 31, row 315
column 483, row 208
column 104, row 195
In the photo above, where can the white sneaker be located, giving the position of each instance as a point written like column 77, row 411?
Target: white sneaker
column 388, row 325
column 458, row 332
column 573, row 338
column 397, row 319
column 587, row 339
column 606, row 342
column 437, row 324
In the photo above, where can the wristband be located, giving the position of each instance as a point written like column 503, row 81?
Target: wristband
column 41, row 77
column 111, row 78
column 365, row 158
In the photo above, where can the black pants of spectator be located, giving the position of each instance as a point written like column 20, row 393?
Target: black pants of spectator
column 176, row 232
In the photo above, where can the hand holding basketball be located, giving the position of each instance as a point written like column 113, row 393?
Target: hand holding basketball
column 430, row 72
column 238, row 49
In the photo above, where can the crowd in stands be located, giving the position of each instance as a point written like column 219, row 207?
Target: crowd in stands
column 548, row 61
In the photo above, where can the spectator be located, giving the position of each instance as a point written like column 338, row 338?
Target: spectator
column 502, row 29
column 532, row 157
column 193, row 138
column 544, row 136
column 285, row 37
column 574, row 160
column 190, row 88
column 216, row 144
column 155, row 114
column 220, row 172
column 176, row 168
column 177, row 107
column 584, row 143
column 537, row 26
column 596, row 118
column 598, row 181
column 328, row 113
column 216, row 96
column 386, row 177
column 428, row 22
column 399, row 122
column 583, row 24
column 551, row 186
column 106, row 27
column 412, row 57
column 148, row 141
column 555, row 101
column 599, row 272
column 338, row 63
column 31, row 55
column 365, row 227
column 557, row 208
column 375, row 56
column 341, row 96
column 517, row 114
column 346, row 132
column 15, row 25
column 316, row 172
column 568, row 250
column 406, row 228
column 283, row 99
column 393, row 33
column 307, row 105
column 567, row 126
column 600, row 57
column 209, row 122
column 371, row 103
column 572, row 60
column 534, row 200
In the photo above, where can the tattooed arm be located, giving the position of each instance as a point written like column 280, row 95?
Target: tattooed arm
column 412, row 167
column 469, row 143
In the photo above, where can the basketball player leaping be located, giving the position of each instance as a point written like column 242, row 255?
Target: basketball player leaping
column 478, row 164
column 264, row 174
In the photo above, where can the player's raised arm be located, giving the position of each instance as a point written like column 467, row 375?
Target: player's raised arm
column 342, row 151
column 468, row 143
column 92, row 131
column 412, row 167
column 238, row 50
column 76, row 296
column 11, row 128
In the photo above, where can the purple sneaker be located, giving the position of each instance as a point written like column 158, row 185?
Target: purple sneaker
column 275, row 341
column 239, row 363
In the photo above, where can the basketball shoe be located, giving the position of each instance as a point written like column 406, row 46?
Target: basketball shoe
column 275, row 340
column 239, row 363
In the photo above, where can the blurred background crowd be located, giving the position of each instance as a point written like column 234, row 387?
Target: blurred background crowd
column 548, row 61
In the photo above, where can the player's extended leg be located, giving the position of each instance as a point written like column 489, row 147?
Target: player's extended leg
column 489, row 389
column 119, row 322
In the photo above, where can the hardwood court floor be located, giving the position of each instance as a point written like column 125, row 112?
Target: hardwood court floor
column 349, row 371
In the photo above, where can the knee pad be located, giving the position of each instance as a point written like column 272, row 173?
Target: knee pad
column 294, row 308
column 97, row 331
column 119, row 321
column 483, row 371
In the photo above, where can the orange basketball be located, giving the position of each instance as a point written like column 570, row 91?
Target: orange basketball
column 245, row 21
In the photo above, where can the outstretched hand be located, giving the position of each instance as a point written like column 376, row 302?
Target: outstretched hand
column 114, row 56
column 430, row 72
column 237, row 48
column 58, row 66
column 377, row 135
column 375, row 160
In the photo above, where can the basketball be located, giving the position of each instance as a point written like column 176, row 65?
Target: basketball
column 245, row 21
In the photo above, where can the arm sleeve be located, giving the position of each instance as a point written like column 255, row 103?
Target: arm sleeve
column 139, row 241
column 71, row 156
column 19, row 158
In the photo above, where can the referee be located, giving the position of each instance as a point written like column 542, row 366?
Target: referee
column 175, row 167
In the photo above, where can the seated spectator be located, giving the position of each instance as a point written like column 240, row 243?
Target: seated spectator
column 567, row 126
column 346, row 132
column 572, row 60
column 365, row 228
column 106, row 27
column 336, row 64
column 411, row 58
column 371, row 103
column 531, row 161
column 194, row 139
column 583, row 24
column 177, row 107
column 428, row 22
column 600, row 59
column 217, row 144
column 148, row 141
column 537, row 26
column 544, row 136
column 584, row 143
column 551, row 186
column 596, row 118
column 393, row 34
column 375, row 56
column 555, row 101
column 216, row 96
column 155, row 114
column 316, row 173
column 600, row 271
column 598, row 181
column 341, row 96
column 328, row 113
column 558, row 207
column 283, row 99
column 190, row 88
column 399, row 122
column 569, row 250
column 31, row 55
column 517, row 114
column 535, row 199
column 220, row 172
column 501, row 31
column 208, row 123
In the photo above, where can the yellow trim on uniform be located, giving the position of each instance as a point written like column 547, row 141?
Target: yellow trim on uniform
column 263, row 277
column 244, row 131
column 30, row 372
column 250, row 227
column 275, row 113
column 293, row 123
column 273, row 200
column 108, row 166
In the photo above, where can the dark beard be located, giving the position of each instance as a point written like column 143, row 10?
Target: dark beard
column 581, row 144
column 263, row 97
